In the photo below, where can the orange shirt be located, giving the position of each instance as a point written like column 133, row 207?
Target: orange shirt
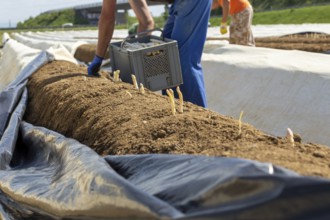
column 236, row 6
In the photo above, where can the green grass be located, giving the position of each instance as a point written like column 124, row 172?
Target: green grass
column 313, row 14
column 49, row 19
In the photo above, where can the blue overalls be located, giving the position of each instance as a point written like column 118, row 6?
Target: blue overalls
column 187, row 23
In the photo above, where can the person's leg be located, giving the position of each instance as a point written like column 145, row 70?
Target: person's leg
column 234, row 29
column 250, row 37
column 167, row 32
column 188, row 25
column 240, row 28
column 168, row 27
column 142, row 12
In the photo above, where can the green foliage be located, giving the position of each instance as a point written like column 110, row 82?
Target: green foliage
column 262, row 5
column 314, row 14
column 49, row 19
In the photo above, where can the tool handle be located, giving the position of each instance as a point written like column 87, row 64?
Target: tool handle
column 142, row 33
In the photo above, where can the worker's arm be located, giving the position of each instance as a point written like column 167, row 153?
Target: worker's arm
column 225, row 10
column 215, row 4
column 106, row 26
column 142, row 12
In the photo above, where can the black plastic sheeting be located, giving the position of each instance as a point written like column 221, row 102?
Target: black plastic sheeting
column 44, row 175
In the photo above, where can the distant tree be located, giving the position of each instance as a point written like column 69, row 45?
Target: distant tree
column 50, row 19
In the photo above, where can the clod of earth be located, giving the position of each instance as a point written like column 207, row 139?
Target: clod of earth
column 100, row 114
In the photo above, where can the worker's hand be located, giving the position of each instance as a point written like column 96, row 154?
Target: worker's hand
column 94, row 67
column 223, row 28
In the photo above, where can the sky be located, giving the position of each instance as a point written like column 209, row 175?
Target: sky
column 14, row 11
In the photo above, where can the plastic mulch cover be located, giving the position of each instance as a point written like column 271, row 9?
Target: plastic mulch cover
column 44, row 175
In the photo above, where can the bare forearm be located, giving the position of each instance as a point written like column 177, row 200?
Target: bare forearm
column 215, row 4
column 106, row 26
column 141, row 10
column 225, row 10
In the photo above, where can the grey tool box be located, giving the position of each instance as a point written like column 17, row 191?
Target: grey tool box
column 157, row 67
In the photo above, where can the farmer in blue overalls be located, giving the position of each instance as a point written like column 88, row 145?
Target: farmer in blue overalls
column 187, row 24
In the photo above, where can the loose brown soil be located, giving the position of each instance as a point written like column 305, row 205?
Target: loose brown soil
column 319, row 43
column 113, row 118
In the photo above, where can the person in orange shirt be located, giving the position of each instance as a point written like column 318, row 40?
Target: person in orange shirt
column 241, row 13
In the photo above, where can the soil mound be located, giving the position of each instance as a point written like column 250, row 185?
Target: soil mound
column 114, row 118
column 86, row 53
column 310, row 42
